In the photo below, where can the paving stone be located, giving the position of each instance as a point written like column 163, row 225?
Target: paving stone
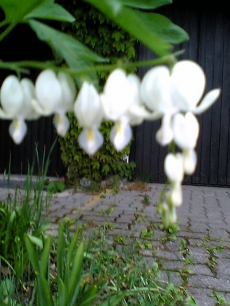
column 199, row 269
column 223, row 268
column 171, row 265
column 198, row 255
column 167, row 255
column 223, row 254
column 199, row 227
column 209, row 282
column 202, row 296
column 171, row 277
column 219, row 234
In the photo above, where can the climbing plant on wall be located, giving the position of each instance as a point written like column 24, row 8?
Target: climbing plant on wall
column 108, row 40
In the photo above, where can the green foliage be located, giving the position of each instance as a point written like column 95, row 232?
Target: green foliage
column 55, row 186
column 108, row 40
column 154, row 30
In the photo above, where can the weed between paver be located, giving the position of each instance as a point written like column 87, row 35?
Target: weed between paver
column 114, row 266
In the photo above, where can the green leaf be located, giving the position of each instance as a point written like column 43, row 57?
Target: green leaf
column 76, row 274
column 135, row 23
column 76, row 55
column 145, row 4
column 116, row 299
column 33, row 257
column 16, row 10
column 60, row 249
column 51, row 11
column 62, row 292
column 164, row 28
column 37, row 241
column 88, row 296
column 45, row 256
column 47, row 293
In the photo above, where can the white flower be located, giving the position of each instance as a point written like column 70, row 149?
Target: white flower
column 122, row 104
column 55, row 95
column 187, row 87
column 118, row 95
column 16, row 97
column 174, row 170
column 169, row 93
column 89, row 112
column 186, row 131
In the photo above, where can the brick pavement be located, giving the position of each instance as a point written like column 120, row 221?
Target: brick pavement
column 202, row 244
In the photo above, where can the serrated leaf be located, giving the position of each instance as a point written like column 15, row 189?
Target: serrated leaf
column 76, row 55
column 51, row 11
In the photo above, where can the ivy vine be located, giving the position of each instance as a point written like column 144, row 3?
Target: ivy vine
column 106, row 39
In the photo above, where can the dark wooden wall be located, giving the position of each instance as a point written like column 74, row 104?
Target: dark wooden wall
column 209, row 45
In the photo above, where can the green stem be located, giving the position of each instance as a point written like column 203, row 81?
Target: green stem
column 3, row 23
column 7, row 31
column 41, row 65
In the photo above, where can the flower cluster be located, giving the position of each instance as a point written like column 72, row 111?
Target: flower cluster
column 174, row 96
column 177, row 95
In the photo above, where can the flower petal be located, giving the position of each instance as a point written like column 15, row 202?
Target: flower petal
column 17, row 130
column 27, row 111
column 155, row 89
column 190, row 161
column 61, row 123
column 185, row 130
column 48, row 92
column 207, row 101
column 90, row 140
column 87, row 107
column 120, row 135
column 118, row 95
column 11, row 96
column 68, row 91
column 187, row 84
column 174, row 196
column 173, row 166
column 165, row 134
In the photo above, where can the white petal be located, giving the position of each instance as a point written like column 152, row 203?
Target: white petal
column 48, row 92
column 190, row 161
column 173, row 166
column 68, row 91
column 3, row 115
column 120, row 135
column 11, row 96
column 172, row 216
column 27, row 111
column 185, row 130
column 38, row 109
column 118, row 95
column 207, row 101
column 87, row 107
column 17, row 130
column 155, row 89
column 90, row 140
column 61, row 123
column 174, row 196
column 165, row 134
column 135, row 83
column 187, row 84
column 137, row 114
